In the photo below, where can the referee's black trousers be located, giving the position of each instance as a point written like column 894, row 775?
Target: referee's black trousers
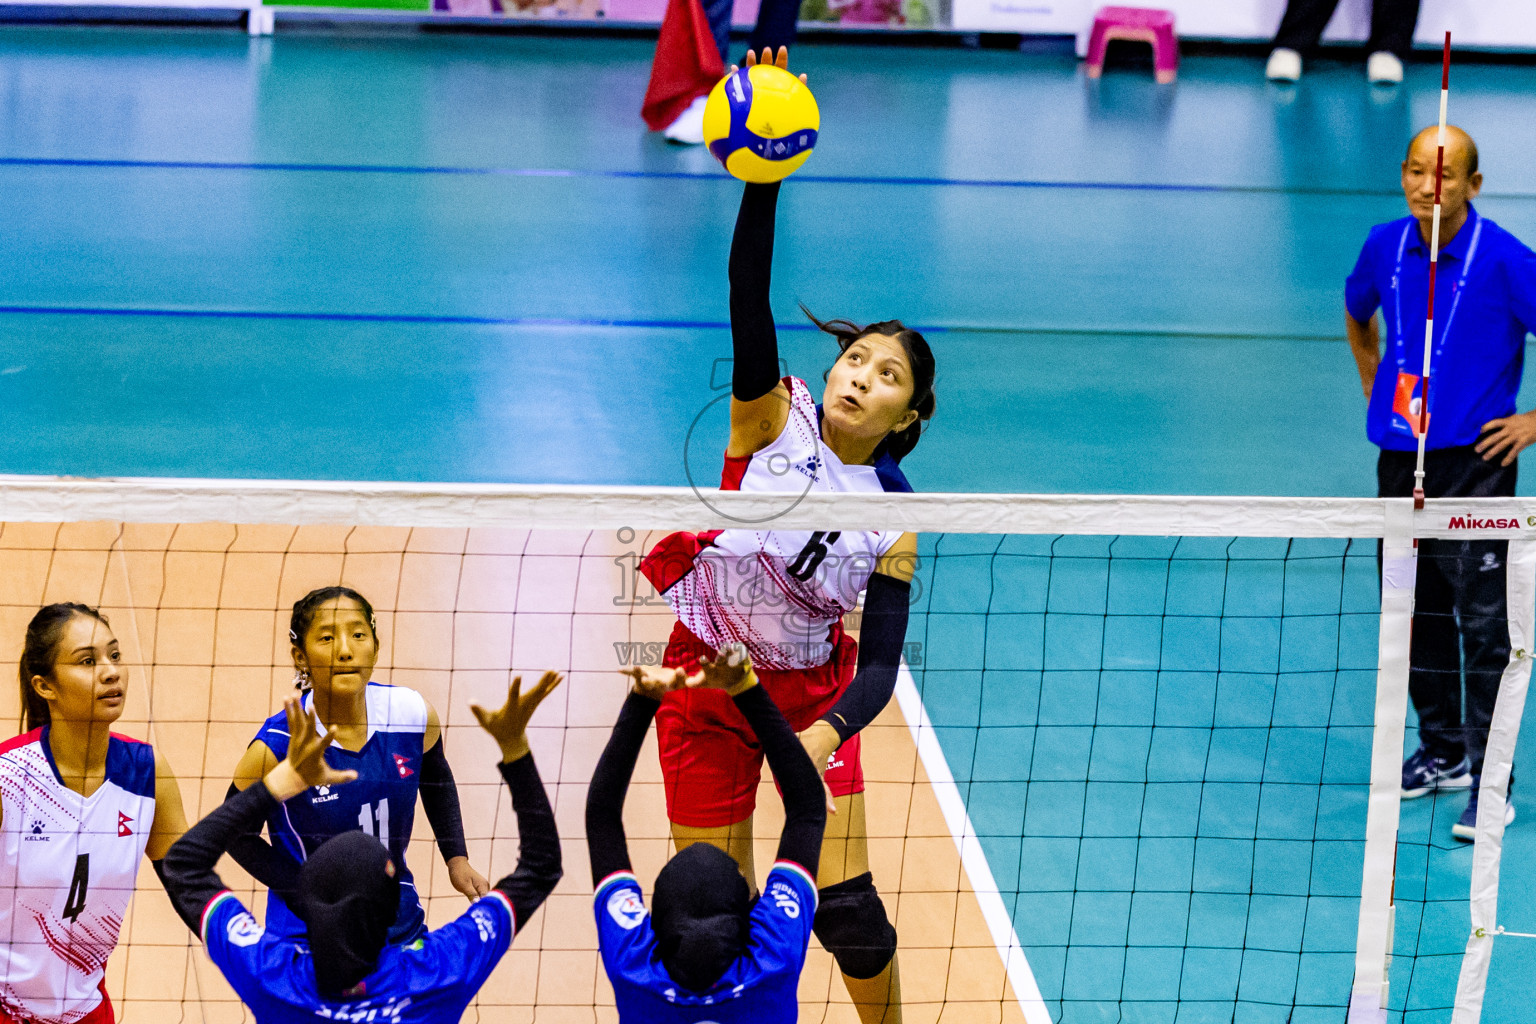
column 1392, row 24
column 1460, row 621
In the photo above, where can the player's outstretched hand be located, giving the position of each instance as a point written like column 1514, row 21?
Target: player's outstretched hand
column 305, row 766
column 781, row 61
column 509, row 725
column 653, row 681
column 730, row 670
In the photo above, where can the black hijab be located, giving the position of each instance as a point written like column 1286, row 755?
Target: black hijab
column 349, row 894
column 700, row 915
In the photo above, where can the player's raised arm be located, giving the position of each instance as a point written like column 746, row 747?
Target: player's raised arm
column 538, row 868
column 189, row 866
column 607, row 847
column 805, row 812
column 266, row 863
column 759, row 400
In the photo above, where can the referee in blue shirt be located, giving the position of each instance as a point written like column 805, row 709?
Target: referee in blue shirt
column 1485, row 304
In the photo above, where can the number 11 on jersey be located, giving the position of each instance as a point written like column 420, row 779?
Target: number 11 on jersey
column 375, row 823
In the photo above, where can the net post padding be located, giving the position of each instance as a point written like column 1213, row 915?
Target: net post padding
column 1498, row 761
column 1373, row 945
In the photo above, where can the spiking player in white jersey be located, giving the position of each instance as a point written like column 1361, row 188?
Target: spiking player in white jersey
column 783, row 594
column 79, row 806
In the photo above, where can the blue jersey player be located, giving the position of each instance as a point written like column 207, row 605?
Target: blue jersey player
column 706, row 952
column 388, row 736
column 342, row 966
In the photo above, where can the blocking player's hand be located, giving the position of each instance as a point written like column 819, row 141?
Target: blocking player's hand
column 781, row 61
column 654, row 681
column 305, row 766
column 730, row 670
column 509, row 724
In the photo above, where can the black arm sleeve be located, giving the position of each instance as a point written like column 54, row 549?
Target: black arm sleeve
column 270, row 866
column 754, row 342
column 187, row 869
column 882, row 632
column 440, row 799
column 606, row 845
column 805, row 806
column 538, row 857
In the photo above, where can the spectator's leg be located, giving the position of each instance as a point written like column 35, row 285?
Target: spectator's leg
column 1434, row 672
column 718, row 14
column 1392, row 23
column 1302, row 24
column 776, row 21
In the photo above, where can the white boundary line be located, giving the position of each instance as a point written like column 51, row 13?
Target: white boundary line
column 515, row 506
column 972, row 857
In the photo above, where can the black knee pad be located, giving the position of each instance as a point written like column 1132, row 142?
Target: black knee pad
column 852, row 926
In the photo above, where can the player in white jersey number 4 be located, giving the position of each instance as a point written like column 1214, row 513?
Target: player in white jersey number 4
column 783, row 594
column 79, row 806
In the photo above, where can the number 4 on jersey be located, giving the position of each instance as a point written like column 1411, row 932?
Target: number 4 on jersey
column 74, row 903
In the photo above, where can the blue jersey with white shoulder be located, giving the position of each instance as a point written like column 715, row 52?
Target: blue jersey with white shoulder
column 428, row 981
column 381, row 802
column 759, row 988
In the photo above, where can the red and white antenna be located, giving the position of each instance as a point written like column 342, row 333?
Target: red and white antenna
column 1434, row 263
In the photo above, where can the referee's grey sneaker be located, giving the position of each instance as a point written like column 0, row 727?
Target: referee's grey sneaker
column 1465, row 828
column 1423, row 774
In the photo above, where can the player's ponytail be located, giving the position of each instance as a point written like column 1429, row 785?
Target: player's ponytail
column 898, row 443
column 40, row 651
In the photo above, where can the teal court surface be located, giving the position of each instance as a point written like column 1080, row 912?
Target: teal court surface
column 461, row 258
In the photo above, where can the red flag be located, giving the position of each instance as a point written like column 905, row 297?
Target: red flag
column 687, row 64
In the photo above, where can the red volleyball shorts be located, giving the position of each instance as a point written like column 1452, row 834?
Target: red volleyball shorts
column 102, row 1014
column 710, row 757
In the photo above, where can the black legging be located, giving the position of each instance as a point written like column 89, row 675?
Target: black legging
column 1392, row 23
column 775, row 25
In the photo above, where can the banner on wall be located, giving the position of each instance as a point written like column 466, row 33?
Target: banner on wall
column 1501, row 24
column 894, row 14
column 1478, row 23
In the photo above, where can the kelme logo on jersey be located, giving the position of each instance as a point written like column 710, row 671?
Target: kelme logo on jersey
column 244, row 930
column 323, row 795
column 403, row 766
column 626, row 908
column 37, row 834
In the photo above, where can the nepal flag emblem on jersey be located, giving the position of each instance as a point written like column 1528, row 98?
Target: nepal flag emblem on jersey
column 403, row 763
column 122, row 825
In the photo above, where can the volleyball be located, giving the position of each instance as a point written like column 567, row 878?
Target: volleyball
column 761, row 123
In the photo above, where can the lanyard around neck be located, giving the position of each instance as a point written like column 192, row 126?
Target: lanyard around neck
column 1397, row 294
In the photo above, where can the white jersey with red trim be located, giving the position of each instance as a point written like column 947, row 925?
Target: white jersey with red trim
column 781, row 591
column 68, row 872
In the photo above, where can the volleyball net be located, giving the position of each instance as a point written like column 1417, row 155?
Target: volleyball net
column 1142, row 764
